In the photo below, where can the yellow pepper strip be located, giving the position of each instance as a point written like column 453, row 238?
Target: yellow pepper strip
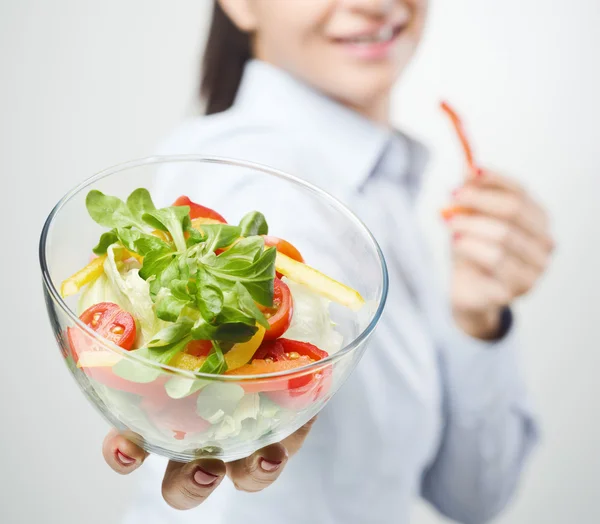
column 92, row 271
column 97, row 359
column 84, row 276
column 240, row 354
column 187, row 362
column 318, row 282
column 197, row 222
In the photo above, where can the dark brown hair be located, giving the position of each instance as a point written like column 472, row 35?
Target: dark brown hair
column 227, row 51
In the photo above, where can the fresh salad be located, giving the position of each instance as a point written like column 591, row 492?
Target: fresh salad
column 180, row 286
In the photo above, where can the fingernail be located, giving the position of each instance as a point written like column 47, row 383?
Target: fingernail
column 269, row 466
column 124, row 459
column 204, row 478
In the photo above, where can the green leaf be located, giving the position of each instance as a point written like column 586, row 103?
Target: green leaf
column 143, row 373
column 219, row 236
column 241, row 255
column 248, row 306
column 128, row 236
column 171, row 334
column 179, row 289
column 169, row 219
column 254, row 223
column 110, row 211
column 148, row 243
column 195, row 236
column 140, row 202
column 257, row 278
column 230, row 326
column 209, row 296
column 169, row 307
column 215, row 362
column 155, row 262
column 106, row 240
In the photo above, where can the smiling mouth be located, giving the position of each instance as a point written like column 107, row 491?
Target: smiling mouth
column 385, row 35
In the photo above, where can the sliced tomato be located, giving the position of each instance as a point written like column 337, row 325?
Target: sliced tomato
column 280, row 315
column 197, row 211
column 261, row 366
column 295, row 391
column 111, row 322
column 284, row 247
column 118, row 326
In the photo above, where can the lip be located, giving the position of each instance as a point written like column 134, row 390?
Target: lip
column 370, row 50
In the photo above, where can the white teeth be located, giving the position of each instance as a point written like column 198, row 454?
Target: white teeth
column 385, row 34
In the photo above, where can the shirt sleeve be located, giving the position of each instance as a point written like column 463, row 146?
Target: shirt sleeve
column 489, row 426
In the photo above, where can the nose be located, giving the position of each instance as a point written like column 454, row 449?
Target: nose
column 369, row 7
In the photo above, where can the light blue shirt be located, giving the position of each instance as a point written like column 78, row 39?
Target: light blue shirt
column 428, row 411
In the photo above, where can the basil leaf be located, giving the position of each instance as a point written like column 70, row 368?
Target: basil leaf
column 110, row 211
column 155, row 262
column 140, row 202
column 248, row 306
column 242, row 254
column 106, row 240
column 171, row 334
column 143, row 373
column 215, row 362
column 169, row 219
column 169, row 307
column 254, row 223
column 219, row 236
column 257, row 278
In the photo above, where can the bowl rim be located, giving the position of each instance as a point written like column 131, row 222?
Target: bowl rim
column 160, row 159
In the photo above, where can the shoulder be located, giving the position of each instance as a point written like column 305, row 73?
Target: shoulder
column 234, row 135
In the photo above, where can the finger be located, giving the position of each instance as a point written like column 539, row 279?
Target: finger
column 259, row 470
column 518, row 209
column 186, row 486
column 294, row 442
column 509, row 271
column 492, row 230
column 493, row 180
column 477, row 290
column 120, row 454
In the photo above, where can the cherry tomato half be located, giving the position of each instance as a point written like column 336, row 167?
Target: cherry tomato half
column 280, row 315
column 111, row 322
column 197, row 211
column 118, row 326
column 283, row 247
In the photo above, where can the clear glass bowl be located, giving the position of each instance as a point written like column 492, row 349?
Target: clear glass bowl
column 227, row 417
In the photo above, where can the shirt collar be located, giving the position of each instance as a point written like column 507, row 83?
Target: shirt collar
column 270, row 94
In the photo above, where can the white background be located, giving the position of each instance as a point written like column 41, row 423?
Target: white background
column 84, row 85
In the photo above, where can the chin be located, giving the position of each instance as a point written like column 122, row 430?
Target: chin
column 365, row 87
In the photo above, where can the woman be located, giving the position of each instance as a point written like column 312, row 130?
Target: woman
column 436, row 407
